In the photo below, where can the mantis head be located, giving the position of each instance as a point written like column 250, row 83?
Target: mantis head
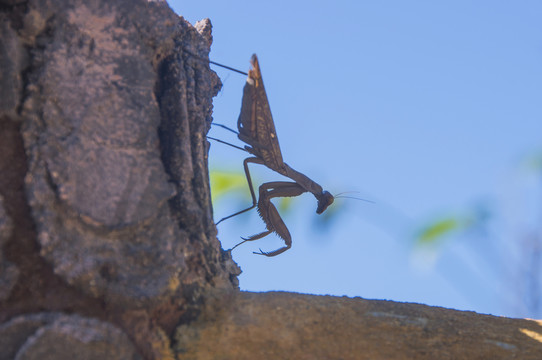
column 324, row 200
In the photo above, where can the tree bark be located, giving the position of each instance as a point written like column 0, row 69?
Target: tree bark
column 108, row 245
column 281, row 325
column 105, row 212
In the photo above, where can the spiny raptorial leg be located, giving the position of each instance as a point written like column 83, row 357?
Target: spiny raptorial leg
column 270, row 215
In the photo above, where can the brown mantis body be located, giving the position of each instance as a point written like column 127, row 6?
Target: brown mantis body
column 256, row 128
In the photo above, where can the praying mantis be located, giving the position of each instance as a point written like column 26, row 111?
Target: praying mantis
column 257, row 130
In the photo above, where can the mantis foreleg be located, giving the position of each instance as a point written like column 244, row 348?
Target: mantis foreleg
column 268, row 212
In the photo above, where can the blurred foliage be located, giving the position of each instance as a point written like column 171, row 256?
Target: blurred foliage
column 435, row 231
column 510, row 231
column 534, row 162
column 474, row 218
column 224, row 182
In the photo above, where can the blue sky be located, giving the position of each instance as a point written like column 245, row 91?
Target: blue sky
column 427, row 108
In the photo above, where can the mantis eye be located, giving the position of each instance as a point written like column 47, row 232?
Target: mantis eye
column 324, row 200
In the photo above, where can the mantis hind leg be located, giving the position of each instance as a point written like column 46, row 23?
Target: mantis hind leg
column 252, row 238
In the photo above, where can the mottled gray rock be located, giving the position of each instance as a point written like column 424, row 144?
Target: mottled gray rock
column 12, row 61
column 94, row 159
column 57, row 336
column 104, row 171
column 12, row 2
column 14, row 333
column 282, row 325
column 114, row 128
column 8, row 271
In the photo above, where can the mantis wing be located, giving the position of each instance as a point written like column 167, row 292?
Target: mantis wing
column 255, row 123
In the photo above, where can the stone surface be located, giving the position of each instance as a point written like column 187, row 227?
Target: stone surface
column 279, row 325
column 12, row 61
column 103, row 166
column 8, row 271
column 58, row 336
column 14, row 333
column 90, row 132
column 109, row 192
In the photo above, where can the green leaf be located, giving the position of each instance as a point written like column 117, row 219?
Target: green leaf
column 224, row 182
column 534, row 161
column 439, row 229
column 285, row 204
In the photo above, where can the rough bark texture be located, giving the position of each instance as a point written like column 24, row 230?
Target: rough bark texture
column 104, row 197
column 108, row 248
column 294, row 326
